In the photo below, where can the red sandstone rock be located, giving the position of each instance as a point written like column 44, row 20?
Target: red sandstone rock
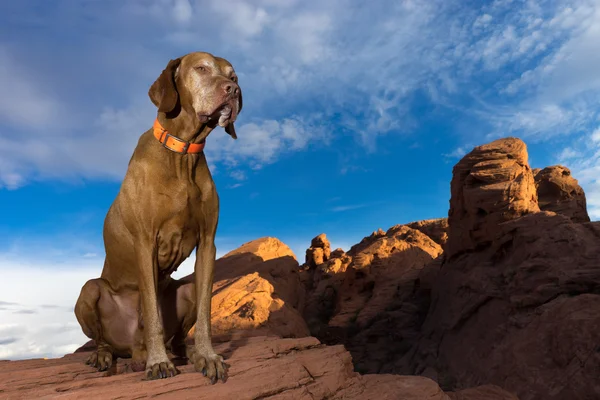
column 261, row 368
column 368, row 304
column 436, row 229
column 485, row 392
column 558, row 191
column 517, row 304
column 523, row 314
column 490, row 185
column 257, row 290
column 318, row 252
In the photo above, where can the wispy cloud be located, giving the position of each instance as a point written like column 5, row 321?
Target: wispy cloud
column 238, row 175
column 459, row 152
column 264, row 142
column 27, row 102
column 347, row 207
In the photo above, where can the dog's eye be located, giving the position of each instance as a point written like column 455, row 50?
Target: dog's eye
column 201, row 68
column 234, row 78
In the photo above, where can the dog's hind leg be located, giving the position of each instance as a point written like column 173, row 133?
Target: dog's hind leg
column 88, row 316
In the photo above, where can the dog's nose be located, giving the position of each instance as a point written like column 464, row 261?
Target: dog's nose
column 231, row 87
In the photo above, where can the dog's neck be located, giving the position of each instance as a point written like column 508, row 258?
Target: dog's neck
column 185, row 126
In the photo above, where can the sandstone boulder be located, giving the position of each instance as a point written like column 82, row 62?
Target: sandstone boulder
column 318, row 252
column 490, row 185
column 257, row 290
column 559, row 192
column 436, row 229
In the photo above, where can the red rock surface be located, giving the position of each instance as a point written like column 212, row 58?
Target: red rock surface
column 261, row 368
column 368, row 304
column 559, row 192
column 523, row 314
column 318, row 252
column 257, row 290
column 436, row 229
column 490, row 185
column 516, row 302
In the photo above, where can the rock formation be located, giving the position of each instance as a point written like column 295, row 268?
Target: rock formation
column 490, row 185
column 322, row 283
column 257, row 290
column 318, row 252
column 515, row 301
column 368, row 301
column 559, row 192
column 436, row 229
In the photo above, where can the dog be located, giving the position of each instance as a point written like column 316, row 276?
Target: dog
column 167, row 206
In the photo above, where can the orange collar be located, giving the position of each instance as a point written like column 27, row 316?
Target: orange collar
column 174, row 143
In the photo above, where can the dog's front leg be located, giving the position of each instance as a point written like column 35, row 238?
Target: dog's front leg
column 203, row 356
column 158, row 364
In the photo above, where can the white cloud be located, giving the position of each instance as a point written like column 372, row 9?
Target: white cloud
column 459, row 152
column 244, row 19
column 262, row 143
column 595, row 136
column 238, row 175
column 50, row 291
column 101, row 151
column 558, row 93
column 182, row 11
column 25, row 102
column 568, row 154
column 347, row 207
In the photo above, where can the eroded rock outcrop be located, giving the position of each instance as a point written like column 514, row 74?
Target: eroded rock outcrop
column 559, row 191
column 436, row 229
column 369, row 302
column 518, row 302
column 318, row 252
column 257, row 290
column 490, row 185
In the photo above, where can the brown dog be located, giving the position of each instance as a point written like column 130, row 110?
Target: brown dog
column 167, row 206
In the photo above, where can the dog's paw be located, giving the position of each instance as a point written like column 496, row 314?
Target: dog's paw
column 101, row 359
column 209, row 364
column 160, row 370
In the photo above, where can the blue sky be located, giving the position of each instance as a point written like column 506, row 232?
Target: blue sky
column 354, row 114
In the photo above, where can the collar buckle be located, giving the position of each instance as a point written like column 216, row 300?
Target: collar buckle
column 186, row 145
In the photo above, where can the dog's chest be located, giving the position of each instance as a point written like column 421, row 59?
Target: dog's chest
column 176, row 241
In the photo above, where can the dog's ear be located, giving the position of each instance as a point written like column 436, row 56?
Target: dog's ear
column 230, row 128
column 163, row 91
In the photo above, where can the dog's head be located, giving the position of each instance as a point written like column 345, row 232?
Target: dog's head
column 202, row 84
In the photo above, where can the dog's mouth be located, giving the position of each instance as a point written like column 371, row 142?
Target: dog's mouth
column 223, row 115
